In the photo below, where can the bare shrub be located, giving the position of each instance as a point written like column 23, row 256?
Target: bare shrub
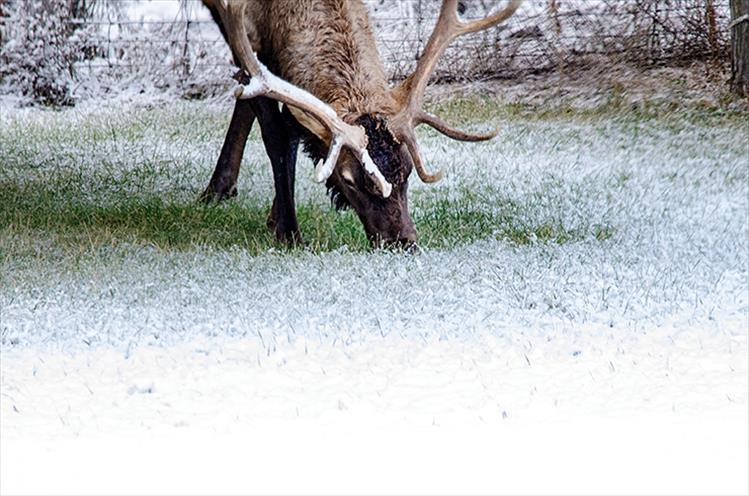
column 37, row 56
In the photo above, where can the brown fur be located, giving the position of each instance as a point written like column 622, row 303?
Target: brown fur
column 325, row 47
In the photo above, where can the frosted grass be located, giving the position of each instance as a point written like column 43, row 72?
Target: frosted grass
column 588, row 320
column 670, row 195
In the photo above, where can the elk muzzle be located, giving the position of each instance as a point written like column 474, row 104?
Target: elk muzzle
column 389, row 225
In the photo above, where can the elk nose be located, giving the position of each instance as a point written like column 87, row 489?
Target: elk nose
column 405, row 242
column 407, row 238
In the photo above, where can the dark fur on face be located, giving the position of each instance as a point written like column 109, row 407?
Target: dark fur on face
column 381, row 147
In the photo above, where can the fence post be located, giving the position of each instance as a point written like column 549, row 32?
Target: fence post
column 419, row 16
column 553, row 9
column 3, row 19
column 185, row 62
column 712, row 27
column 655, row 36
column 740, row 46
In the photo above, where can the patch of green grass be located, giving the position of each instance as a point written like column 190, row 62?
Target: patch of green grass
column 164, row 223
column 103, row 179
column 443, row 223
column 175, row 224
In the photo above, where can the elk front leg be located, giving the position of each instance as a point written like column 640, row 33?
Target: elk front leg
column 223, row 182
column 281, row 142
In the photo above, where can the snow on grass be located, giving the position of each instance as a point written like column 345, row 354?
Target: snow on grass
column 612, row 220
column 583, row 290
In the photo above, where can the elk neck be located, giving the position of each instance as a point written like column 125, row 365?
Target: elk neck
column 326, row 47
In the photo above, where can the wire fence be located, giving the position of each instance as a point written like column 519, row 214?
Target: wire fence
column 111, row 42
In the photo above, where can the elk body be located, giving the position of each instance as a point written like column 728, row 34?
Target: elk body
column 323, row 64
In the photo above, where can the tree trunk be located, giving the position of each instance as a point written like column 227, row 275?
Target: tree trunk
column 740, row 46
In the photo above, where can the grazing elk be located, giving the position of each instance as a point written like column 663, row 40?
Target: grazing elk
column 319, row 58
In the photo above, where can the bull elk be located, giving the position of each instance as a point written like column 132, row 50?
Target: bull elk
column 319, row 58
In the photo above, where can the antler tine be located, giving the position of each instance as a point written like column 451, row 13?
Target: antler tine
column 413, row 149
column 440, row 125
column 491, row 21
column 265, row 83
column 448, row 27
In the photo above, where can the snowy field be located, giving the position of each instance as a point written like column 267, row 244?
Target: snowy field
column 577, row 321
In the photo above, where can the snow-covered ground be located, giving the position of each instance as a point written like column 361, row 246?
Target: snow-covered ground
column 603, row 364
column 460, row 416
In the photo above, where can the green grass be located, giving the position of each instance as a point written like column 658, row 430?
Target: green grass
column 90, row 179
column 163, row 223
column 445, row 222
column 33, row 208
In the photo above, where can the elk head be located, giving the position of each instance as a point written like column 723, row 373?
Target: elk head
column 369, row 156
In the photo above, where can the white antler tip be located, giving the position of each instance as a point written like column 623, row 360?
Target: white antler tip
column 387, row 189
column 325, row 169
column 320, row 173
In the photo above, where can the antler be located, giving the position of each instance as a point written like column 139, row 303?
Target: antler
column 411, row 91
column 265, row 83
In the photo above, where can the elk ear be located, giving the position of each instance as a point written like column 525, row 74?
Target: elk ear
column 310, row 123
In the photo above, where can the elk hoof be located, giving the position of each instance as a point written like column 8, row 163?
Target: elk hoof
column 286, row 232
column 215, row 194
column 291, row 237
